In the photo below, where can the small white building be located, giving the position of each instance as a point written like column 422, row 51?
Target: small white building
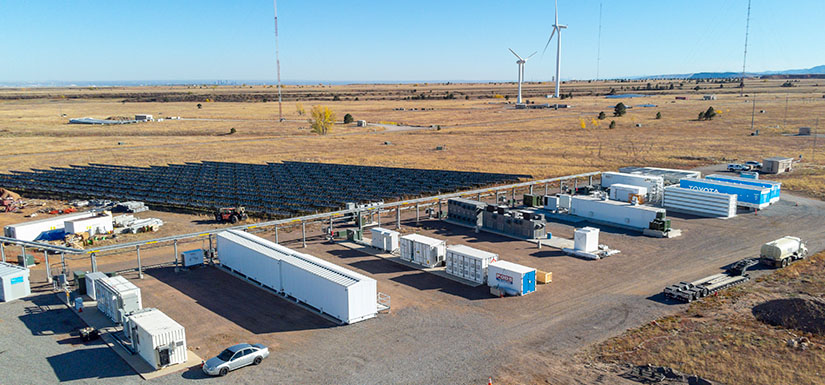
column 586, row 239
column 144, row 117
column 423, row 250
column 14, row 282
column 158, row 339
column 469, row 263
column 43, row 229
column 117, row 298
column 385, row 239
column 99, row 224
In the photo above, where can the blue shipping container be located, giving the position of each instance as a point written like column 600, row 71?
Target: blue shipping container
column 775, row 187
column 748, row 196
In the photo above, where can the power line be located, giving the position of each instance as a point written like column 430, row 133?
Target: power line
column 278, row 63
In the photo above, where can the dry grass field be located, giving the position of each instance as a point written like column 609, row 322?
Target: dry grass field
column 482, row 133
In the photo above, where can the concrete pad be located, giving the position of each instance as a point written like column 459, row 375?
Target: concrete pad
column 96, row 319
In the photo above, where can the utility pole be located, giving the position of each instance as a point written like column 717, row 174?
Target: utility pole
column 753, row 112
column 785, row 121
column 745, row 58
column 813, row 151
column 278, row 63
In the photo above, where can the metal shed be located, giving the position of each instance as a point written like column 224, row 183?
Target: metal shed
column 158, row 339
column 14, row 282
column 777, row 165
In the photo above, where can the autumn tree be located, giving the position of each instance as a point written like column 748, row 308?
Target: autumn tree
column 299, row 107
column 322, row 119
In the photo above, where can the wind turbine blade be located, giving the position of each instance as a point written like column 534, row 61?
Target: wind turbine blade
column 531, row 55
column 557, row 12
column 514, row 53
column 548, row 41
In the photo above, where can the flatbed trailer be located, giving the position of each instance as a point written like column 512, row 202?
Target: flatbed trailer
column 691, row 291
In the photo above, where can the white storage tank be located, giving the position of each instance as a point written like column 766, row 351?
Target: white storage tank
column 702, row 203
column 512, row 278
column 99, row 224
column 469, row 263
column 117, row 298
column 613, row 212
column 43, row 229
column 623, row 192
column 91, row 279
column 14, row 282
column 385, row 239
column 423, row 250
column 339, row 292
column 158, row 339
column 191, row 258
column 586, row 239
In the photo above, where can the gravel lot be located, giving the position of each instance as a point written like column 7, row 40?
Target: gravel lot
column 439, row 331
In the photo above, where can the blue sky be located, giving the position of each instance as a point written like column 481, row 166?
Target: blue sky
column 397, row 40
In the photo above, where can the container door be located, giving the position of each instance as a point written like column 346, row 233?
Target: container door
column 163, row 357
column 528, row 284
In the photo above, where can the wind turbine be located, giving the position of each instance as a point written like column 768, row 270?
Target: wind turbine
column 556, row 30
column 520, row 63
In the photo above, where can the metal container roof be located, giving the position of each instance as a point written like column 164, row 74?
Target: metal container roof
column 514, row 267
column 307, row 262
column 62, row 218
column 422, row 239
column 464, row 249
column 7, row 269
column 154, row 321
column 670, row 175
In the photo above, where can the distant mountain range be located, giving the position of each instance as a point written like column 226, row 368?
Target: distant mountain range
column 818, row 70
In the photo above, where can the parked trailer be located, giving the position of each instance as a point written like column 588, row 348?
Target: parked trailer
column 746, row 196
column 469, row 263
column 158, row 339
column 99, row 224
column 691, row 291
column 699, row 202
column 339, row 292
column 423, row 250
column 776, row 187
column 43, row 229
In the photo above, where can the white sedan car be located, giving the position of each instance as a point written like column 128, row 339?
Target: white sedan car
column 235, row 357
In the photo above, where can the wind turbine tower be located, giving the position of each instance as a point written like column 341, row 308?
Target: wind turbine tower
column 520, row 63
column 556, row 31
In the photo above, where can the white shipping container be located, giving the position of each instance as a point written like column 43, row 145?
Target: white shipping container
column 621, row 192
column 158, row 339
column 30, row 231
column 385, row 239
column 514, row 279
column 700, row 202
column 339, row 292
column 423, row 250
column 551, row 202
column 100, row 224
column 653, row 184
column 91, row 285
column 564, row 201
column 619, row 213
column 14, row 282
column 117, row 298
column 192, row 258
column 586, row 239
column 469, row 263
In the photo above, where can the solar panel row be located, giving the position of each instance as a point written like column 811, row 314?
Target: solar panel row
column 272, row 189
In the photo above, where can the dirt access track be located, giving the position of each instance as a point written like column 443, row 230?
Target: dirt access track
column 440, row 331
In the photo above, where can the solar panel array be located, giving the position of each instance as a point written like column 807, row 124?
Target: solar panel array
column 272, row 189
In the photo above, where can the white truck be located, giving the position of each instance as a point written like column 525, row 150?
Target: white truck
column 783, row 251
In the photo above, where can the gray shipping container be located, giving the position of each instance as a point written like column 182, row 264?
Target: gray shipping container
column 423, row 250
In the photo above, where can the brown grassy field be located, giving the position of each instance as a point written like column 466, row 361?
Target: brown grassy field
column 718, row 338
column 482, row 133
